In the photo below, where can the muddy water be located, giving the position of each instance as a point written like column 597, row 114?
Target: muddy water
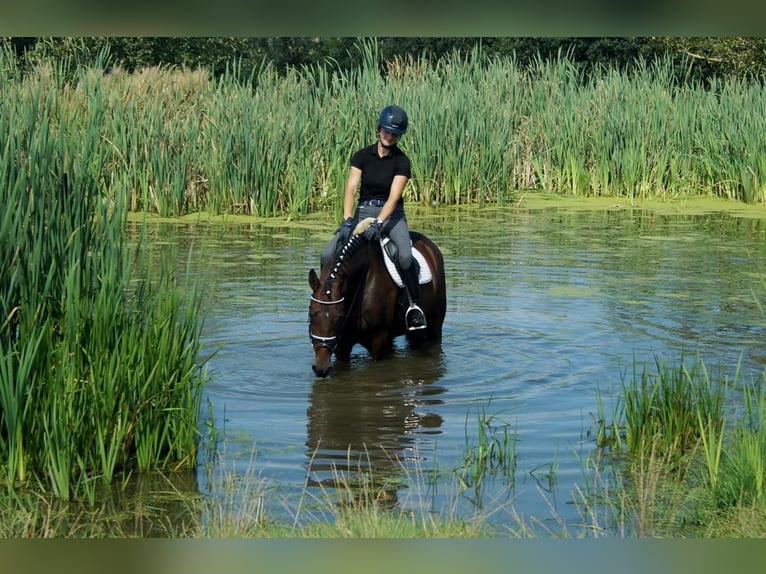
column 546, row 308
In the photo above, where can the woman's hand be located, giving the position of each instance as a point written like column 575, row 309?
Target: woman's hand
column 345, row 229
column 373, row 232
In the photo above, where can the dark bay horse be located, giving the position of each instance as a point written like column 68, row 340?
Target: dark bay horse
column 355, row 301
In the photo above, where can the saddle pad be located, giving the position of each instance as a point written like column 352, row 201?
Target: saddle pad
column 424, row 275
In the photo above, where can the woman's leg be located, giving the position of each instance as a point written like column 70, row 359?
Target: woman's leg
column 399, row 233
column 329, row 251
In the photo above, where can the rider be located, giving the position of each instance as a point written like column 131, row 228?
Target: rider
column 380, row 172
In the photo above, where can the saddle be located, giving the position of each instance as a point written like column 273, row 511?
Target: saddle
column 424, row 271
column 389, row 251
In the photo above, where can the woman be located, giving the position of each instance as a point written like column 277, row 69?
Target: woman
column 379, row 172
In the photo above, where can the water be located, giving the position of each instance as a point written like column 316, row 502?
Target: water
column 546, row 309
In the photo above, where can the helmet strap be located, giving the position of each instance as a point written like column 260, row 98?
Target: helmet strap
column 386, row 147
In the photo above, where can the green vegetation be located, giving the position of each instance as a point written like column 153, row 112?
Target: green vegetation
column 99, row 369
column 712, row 56
column 488, row 455
column 99, row 373
column 483, row 129
column 684, row 472
column 679, row 465
column 670, row 409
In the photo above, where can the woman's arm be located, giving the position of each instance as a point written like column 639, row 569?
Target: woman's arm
column 352, row 184
column 397, row 189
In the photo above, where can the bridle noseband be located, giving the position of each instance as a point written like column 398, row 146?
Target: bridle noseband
column 327, row 302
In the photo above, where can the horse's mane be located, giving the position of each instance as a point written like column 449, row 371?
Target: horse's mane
column 341, row 264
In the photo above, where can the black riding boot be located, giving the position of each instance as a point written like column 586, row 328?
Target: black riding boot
column 414, row 318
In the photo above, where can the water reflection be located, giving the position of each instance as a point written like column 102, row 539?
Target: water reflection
column 544, row 319
column 366, row 423
column 147, row 505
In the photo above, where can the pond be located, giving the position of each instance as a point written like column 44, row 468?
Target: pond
column 547, row 310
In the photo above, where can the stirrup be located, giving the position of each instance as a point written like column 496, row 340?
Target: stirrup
column 414, row 318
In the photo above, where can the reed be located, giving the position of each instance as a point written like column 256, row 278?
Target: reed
column 490, row 453
column 647, row 496
column 669, row 426
column 667, row 409
column 738, row 478
column 99, row 370
column 174, row 141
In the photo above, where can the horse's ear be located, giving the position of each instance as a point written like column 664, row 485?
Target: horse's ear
column 313, row 280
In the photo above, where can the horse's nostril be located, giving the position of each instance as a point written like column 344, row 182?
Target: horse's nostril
column 321, row 372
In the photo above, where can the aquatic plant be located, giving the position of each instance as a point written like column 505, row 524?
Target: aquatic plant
column 678, row 462
column 665, row 408
column 489, row 454
column 99, row 370
column 738, row 475
column 174, row 141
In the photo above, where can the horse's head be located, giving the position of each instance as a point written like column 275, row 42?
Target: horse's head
column 328, row 307
column 326, row 313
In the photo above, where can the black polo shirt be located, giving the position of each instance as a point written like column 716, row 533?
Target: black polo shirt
column 378, row 172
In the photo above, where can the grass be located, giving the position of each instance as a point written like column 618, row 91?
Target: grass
column 679, row 465
column 490, row 453
column 652, row 494
column 233, row 507
column 667, row 408
column 351, row 503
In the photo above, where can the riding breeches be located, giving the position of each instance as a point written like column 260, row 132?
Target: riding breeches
column 395, row 228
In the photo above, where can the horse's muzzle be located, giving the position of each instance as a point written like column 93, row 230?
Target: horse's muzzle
column 322, row 362
column 321, row 371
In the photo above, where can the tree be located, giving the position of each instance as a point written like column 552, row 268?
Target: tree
column 732, row 56
column 728, row 56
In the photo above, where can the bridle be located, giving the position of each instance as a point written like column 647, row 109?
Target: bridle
column 328, row 342
column 331, row 342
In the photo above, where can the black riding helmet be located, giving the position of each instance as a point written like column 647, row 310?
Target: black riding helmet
column 393, row 119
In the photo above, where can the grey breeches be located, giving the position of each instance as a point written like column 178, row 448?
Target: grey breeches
column 395, row 228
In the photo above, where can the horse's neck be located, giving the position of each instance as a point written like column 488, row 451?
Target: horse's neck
column 351, row 263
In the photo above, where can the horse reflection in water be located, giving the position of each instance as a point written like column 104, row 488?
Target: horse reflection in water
column 366, row 427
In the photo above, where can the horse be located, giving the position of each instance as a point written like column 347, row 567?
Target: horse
column 355, row 300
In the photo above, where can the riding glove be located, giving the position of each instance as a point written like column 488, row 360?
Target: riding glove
column 372, row 233
column 345, row 229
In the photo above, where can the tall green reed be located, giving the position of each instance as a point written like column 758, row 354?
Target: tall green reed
column 665, row 408
column 704, row 438
column 738, row 476
column 98, row 353
column 177, row 141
